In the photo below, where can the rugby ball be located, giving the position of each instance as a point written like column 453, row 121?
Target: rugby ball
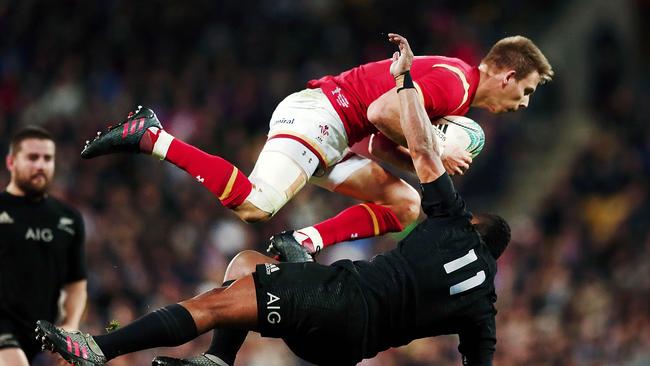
column 460, row 131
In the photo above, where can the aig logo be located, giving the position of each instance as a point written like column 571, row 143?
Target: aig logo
column 273, row 317
column 39, row 234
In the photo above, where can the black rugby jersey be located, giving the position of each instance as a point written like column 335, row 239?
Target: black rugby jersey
column 439, row 280
column 41, row 250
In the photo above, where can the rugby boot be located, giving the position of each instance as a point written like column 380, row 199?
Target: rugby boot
column 75, row 347
column 125, row 136
column 287, row 248
column 202, row 360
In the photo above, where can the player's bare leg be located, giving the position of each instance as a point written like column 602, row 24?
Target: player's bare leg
column 225, row 307
column 233, row 306
column 373, row 183
column 13, row 357
column 225, row 342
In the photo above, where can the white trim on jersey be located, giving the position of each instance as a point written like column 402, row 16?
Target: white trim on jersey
column 463, row 80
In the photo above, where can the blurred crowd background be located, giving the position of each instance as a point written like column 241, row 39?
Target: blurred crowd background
column 570, row 173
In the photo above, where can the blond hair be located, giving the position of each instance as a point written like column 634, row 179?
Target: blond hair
column 520, row 54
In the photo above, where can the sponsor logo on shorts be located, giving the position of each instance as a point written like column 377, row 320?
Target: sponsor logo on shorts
column 304, row 153
column 270, row 268
column 324, row 132
column 8, row 340
column 273, row 317
column 285, row 121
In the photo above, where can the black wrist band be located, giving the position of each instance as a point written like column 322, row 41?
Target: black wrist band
column 408, row 82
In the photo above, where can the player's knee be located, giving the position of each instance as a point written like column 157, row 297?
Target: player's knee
column 251, row 214
column 252, row 217
column 407, row 206
column 244, row 264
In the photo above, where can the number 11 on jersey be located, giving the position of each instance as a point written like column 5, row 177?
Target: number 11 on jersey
column 469, row 283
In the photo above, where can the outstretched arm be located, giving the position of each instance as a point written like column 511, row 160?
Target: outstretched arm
column 424, row 149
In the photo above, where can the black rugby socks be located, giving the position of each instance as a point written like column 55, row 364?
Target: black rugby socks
column 169, row 326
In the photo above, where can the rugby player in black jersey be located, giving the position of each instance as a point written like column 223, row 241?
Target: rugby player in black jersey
column 439, row 280
column 41, row 250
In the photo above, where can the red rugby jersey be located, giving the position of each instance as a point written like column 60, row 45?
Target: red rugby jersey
column 448, row 86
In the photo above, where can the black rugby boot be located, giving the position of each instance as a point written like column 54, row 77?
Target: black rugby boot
column 124, row 137
column 202, row 360
column 75, row 347
column 287, row 248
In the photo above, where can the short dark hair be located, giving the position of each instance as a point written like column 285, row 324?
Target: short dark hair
column 520, row 54
column 28, row 132
column 494, row 231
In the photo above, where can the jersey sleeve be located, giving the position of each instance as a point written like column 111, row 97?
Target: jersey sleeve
column 77, row 253
column 442, row 90
column 478, row 343
column 439, row 198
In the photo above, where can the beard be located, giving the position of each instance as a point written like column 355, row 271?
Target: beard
column 34, row 186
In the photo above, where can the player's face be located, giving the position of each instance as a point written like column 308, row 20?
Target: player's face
column 32, row 166
column 512, row 94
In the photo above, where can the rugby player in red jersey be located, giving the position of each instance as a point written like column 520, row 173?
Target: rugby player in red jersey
column 312, row 131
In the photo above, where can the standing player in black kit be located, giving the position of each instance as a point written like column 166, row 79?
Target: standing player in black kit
column 439, row 280
column 41, row 250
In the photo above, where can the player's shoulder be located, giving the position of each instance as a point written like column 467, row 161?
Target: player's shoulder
column 434, row 62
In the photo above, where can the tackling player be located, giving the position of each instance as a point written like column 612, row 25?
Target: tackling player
column 439, row 280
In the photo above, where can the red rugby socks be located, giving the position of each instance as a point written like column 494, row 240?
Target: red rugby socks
column 219, row 176
column 357, row 222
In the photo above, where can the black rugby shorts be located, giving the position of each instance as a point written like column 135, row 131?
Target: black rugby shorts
column 318, row 310
column 12, row 336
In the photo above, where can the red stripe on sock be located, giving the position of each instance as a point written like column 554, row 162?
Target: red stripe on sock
column 215, row 173
column 358, row 222
column 125, row 130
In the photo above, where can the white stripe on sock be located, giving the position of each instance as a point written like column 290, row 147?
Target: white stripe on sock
column 162, row 145
column 314, row 235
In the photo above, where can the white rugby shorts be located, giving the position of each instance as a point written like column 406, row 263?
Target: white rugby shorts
column 309, row 118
